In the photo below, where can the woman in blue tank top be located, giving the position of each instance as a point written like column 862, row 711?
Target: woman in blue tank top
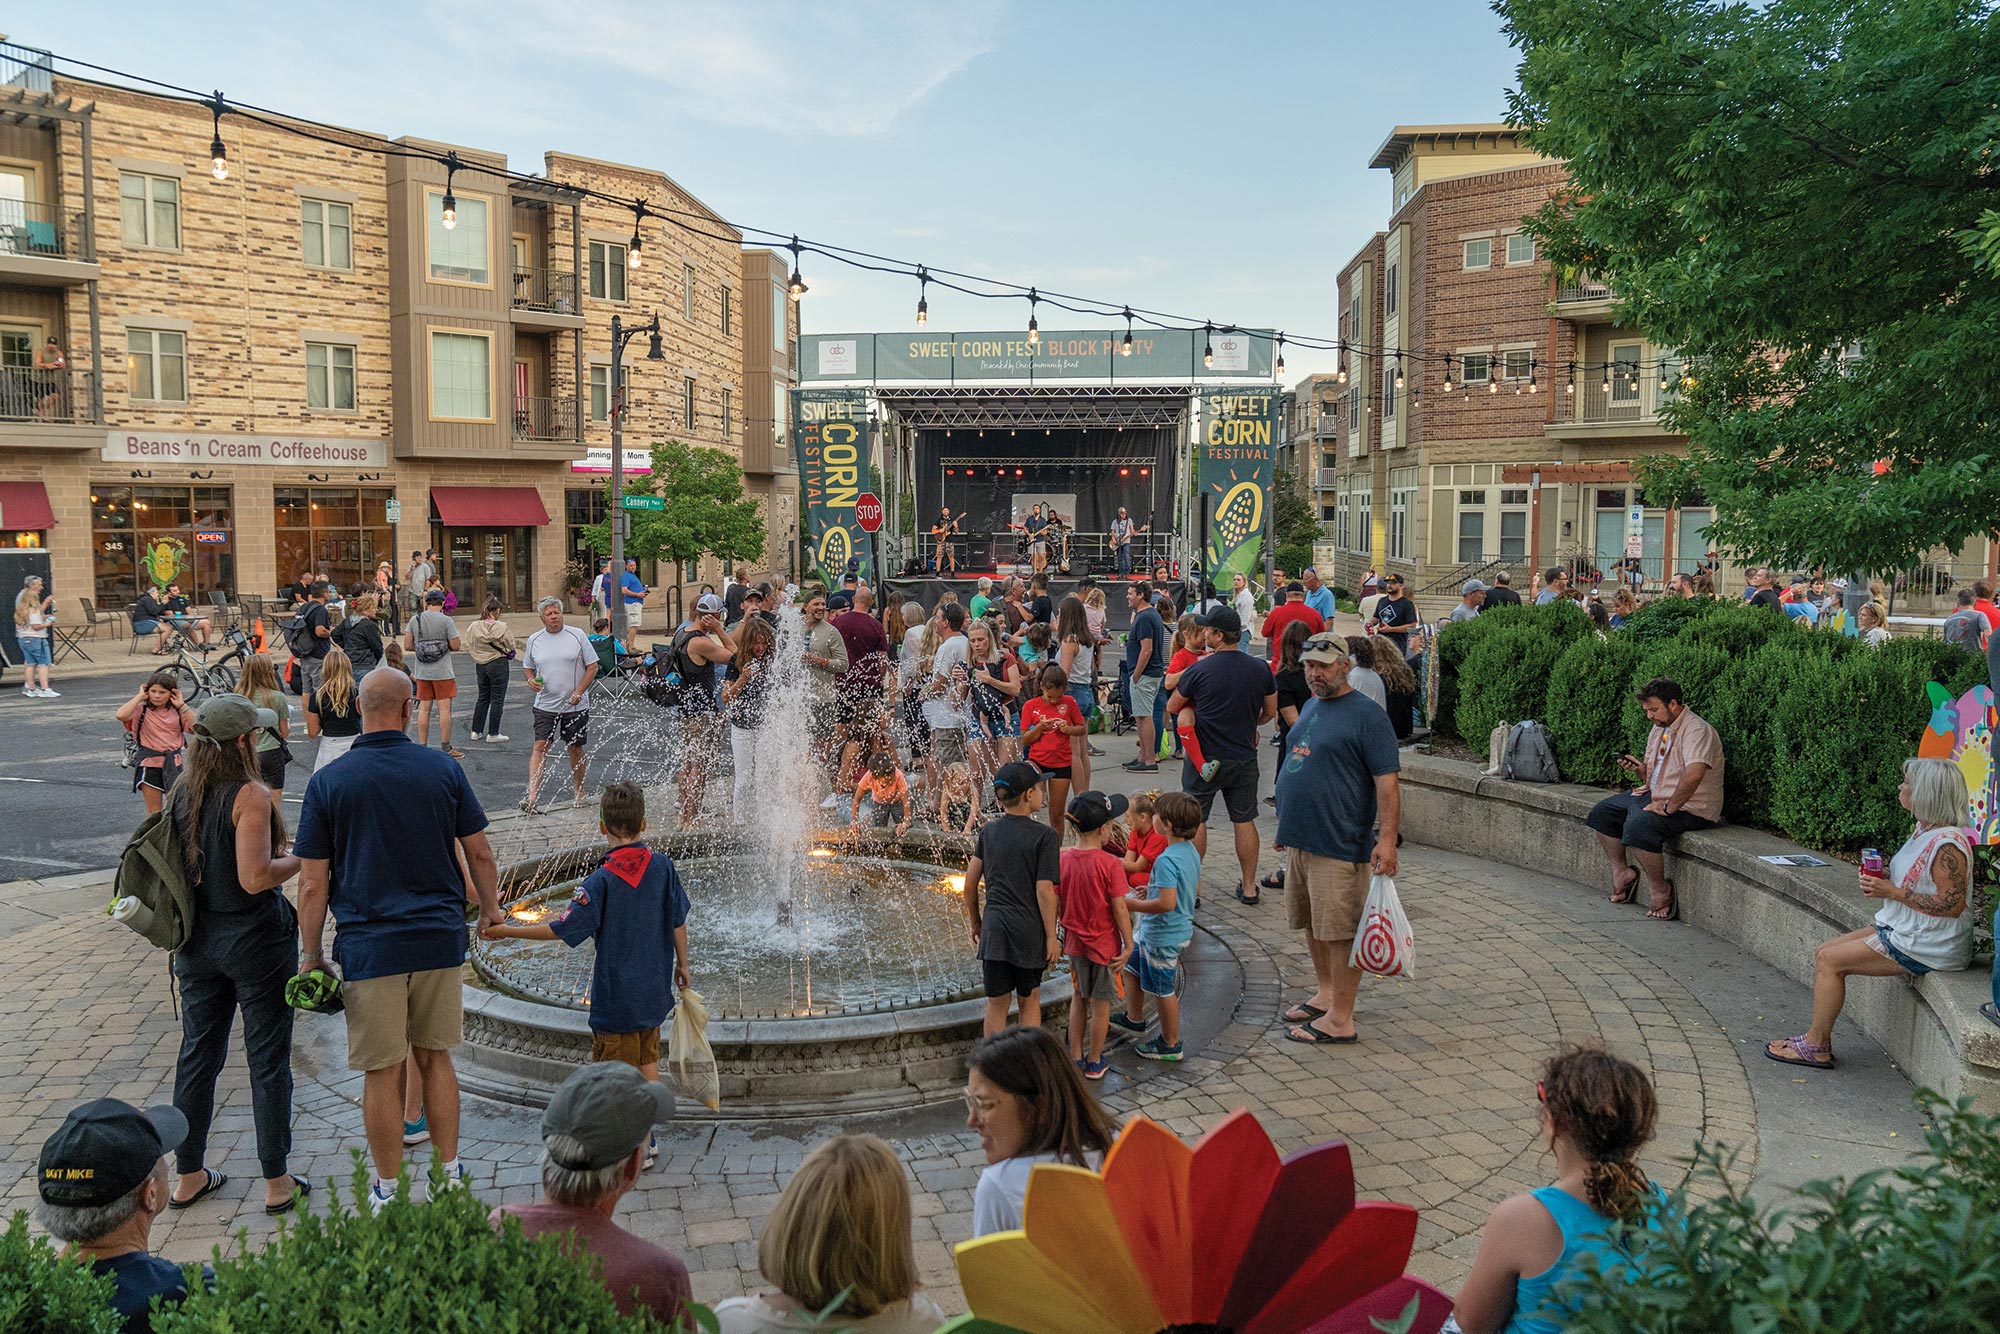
column 1597, row 1113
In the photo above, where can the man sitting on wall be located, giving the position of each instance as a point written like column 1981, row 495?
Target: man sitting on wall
column 1681, row 791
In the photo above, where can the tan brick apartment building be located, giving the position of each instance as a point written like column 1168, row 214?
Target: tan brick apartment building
column 300, row 365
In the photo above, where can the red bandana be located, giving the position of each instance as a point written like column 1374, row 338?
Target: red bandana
column 629, row 863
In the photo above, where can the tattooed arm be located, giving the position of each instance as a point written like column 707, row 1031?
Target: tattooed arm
column 1952, row 876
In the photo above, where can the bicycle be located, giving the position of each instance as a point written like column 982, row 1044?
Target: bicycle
column 196, row 676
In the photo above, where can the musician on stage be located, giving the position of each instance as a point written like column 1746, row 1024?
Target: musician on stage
column 1036, row 527
column 1121, row 539
column 942, row 533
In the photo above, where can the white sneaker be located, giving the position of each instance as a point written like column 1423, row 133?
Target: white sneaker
column 51, row 694
column 479, row 736
column 377, row 1201
column 495, row 738
column 446, row 1181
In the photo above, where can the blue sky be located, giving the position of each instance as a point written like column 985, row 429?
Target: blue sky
column 1198, row 158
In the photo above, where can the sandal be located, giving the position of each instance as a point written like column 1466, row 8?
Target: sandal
column 1812, row 1054
column 1628, row 892
column 1314, row 1037
column 1247, row 900
column 216, row 1181
column 1991, row 1011
column 302, row 1186
column 1670, row 911
column 1275, row 880
column 1302, row 1013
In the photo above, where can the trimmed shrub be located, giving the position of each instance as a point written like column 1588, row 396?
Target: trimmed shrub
column 1934, row 660
column 1506, row 679
column 1563, row 622
column 1585, row 708
column 1695, row 668
column 1662, row 620
column 42, row 1292
column 1737, row 629
column 1745, row 710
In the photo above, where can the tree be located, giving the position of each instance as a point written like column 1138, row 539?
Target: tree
column 707, row 513
column 1786, row 193
column 1294, row 522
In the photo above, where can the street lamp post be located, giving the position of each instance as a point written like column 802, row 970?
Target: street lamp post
column 614, row 586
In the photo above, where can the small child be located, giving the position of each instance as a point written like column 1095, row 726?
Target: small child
column 1191, row 745
column 957, row 804
column 633, row 906
column 1145, row 842
column 1019, row 860
column 1097, row 926
column 1167, row 907
column 1047, row 723
column 882, row 795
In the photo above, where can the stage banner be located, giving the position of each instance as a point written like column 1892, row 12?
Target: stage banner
column 1060, row 356
column 830, row 437
column 1239, row 433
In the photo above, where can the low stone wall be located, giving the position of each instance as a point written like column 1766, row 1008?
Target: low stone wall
column 1931, row 1026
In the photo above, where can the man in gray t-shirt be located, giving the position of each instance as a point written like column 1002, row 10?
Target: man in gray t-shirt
column 433, row 635
column 560, row 665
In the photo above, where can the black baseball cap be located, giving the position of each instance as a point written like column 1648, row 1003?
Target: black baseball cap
column 104, row 1150
column 1224, row 619
column 1295, row 587
column 1015, row 778
column 1094, row 810
column 608, row 1108
column 840, row 601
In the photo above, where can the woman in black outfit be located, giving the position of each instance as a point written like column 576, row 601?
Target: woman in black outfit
column 241, row 949
column 360, row 635
column 1399, row 685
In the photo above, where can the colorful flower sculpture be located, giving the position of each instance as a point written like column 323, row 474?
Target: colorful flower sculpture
column 1222, row 1238
column 1966, row 731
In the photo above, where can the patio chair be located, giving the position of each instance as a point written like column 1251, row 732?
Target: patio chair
column 92, row 617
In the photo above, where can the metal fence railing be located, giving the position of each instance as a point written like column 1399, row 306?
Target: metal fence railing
column 1586, row 287
column 545, row 289
column 34, row 229
column 27, row 394
column 544, row 418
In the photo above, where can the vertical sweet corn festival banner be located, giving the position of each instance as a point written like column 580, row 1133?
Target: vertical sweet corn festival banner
column 1239, row 446
column 830, row 437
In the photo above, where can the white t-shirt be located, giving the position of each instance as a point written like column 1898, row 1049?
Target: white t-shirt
column 1002, row 1190
column 913, row 640
column 561, row 658
column 1368, row 681
column 939, row 710
column 1246, row 606
column 918, row 1314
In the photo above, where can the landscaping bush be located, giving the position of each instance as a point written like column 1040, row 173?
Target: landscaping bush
column 1905, row 1249
column 1506, row 680
column 1745, row 709
column 1663, row 620
column 1585, row 709
column 1696, row 668
column 43, row 1293
column 1737, row 629
column 1563, row 622
column 436, row 1267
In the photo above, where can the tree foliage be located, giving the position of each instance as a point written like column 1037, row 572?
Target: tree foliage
column 1798, row 196
column 707, row 513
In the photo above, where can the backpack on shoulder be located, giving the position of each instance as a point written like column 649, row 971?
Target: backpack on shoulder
column 298, row 636
column 151, row 893
column 429, row 650
column 1528, row 756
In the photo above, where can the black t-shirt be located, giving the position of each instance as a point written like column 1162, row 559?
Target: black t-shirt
column 1147, row 624
column 331, row 723
column 316, row 619
column 139, row 1278
column 1500, row 596
column 1227, row 689
column 1041, row 608
column 1397, row 612
column 1768, row 597
column 1015, row 853
column 747, row 708
column 298, row 592
column 1293, row 692
column 177, row 605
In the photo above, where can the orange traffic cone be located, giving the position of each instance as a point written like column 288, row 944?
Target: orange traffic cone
column 257, row 636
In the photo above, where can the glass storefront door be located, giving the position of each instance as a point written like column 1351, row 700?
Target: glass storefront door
column 487, row 561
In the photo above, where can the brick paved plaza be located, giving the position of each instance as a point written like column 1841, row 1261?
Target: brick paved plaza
column 1436, row 1100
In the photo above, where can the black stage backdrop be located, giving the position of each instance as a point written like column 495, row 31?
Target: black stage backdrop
column 979, row 475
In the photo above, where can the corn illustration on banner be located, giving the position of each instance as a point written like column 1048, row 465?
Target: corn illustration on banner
column 1239, row 434
column 830, row 437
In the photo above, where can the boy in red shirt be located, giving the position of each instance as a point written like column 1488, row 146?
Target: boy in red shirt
column 1097, row 925
column 1145, row 842
column 1047, row 723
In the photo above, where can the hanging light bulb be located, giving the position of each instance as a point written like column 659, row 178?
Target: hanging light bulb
column 632, row 256
column 1492, row 383
column 1607, row 377
column 448, row 215
column 1447, row 377
column 218, row 154
column 1399, row 369
column 1207, row 345
column 923, row 305
column 1340, row 351
column 1570, row 388
column 1279, row 368
column 1533, row 388
column 1034, row 328
column 797, row 286
column 1125, row 348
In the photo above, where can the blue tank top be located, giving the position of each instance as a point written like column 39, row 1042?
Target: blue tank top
column 1536, row 1309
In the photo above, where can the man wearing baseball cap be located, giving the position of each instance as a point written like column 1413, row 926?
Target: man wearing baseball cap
column 594, row 1137
column 103, row 1180
column 1471, row 597
column 1291, row 606
column 1232, row 695
column 432, row 632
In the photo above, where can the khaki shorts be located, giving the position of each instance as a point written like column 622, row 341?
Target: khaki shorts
column 634, row 1049
column 437, row 690
column 386, row 1016
column 1324, row 896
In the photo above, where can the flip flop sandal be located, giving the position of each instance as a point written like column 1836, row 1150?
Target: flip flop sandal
column 1275, row 880
column 1991, row 1011
column 1673, row 908
column 1247, row 900
column 1315, row 1038
column 216, row 1181
column 1803, row 1053
column 302, row 1186
column 1302, row 1013
column 1630, row 892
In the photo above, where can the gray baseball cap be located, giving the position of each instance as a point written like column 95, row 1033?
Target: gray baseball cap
column 708, row 604
column 226, row 717
column 609, row 1108
column 1473, row 586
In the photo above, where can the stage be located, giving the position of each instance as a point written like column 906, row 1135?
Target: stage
column 929, row 590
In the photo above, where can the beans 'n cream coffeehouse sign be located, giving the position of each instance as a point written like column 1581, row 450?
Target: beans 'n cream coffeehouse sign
column 272, row 451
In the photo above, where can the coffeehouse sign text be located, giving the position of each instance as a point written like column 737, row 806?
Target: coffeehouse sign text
column 266, row 450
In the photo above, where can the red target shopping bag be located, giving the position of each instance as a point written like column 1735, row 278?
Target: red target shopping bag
column 1383, row 943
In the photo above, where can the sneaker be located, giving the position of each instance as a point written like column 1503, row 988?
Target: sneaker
column 377, row 1201
column 456, row 1179
column 652, row 1151
column 1093, row 750
column 479, row 736
column 1209, row 770
column 832, row 800
column 417, row 1131
column 1121, row 1020
column 454, row 752
column 1139, row 767
column 1157, row 1050
column 495, row 738
column 1095, row 1069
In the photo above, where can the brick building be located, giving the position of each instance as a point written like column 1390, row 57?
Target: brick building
column 302, row 365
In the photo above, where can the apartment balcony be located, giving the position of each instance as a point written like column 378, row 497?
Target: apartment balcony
column 49, row 409
column 1587, row 299
column 1323, row 479
column 41, row 246
column 546, row 419
column 1626, row 410
column 545, row 299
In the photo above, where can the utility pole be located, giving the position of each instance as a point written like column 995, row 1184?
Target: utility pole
column 614, row 591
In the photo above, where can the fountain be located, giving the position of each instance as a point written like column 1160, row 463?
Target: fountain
column 836, row 964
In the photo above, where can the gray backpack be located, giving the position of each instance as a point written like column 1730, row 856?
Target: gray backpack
column 1529, row 758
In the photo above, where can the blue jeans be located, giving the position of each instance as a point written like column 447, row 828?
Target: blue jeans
column 1125, row 559
column 492, row 694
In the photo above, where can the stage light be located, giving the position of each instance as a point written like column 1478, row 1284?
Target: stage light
column 948, row 472
column 1145, row 472
column 1019, row 473
column 1124, row 472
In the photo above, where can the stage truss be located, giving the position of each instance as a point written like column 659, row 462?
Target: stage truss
column 1014, row 407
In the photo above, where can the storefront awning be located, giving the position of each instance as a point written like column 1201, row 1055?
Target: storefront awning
column 489, row 506
column 24, row 506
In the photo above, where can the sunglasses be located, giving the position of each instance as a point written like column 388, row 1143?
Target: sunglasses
column 1541, row 1093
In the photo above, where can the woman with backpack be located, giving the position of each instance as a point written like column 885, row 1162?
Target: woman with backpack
column 333, row 712
column 157, row 721
column 360, row 635
column 260, row 687
column 240, row 950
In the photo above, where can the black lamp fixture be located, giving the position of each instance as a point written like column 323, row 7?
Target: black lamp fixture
column 797, row 286
column 201, row 476
column 147, row 473
column 639, row 214
column 448, row 215
column 923, row 301
column 319, row 477
column 218, row 154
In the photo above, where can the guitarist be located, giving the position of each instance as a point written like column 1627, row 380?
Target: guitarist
column 942, row 532
column 1121, row 539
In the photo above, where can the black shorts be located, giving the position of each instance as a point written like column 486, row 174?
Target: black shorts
column 1625, row 818
column 574, row 728
column 1009, row 979
column 1063, row 773
column 1235, row 780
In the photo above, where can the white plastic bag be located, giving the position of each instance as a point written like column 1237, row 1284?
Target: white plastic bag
column 690, row 1060
column 1383, row 943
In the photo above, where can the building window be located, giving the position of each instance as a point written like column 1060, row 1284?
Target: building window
column 156, row 362
column 1514, row 523
column 1402, row 503
column 459, row 254
column 1471, row 526
column 1388, row 395
column 728, row 406
column 330, row 376
column 687, row 292
column 687, row 403
column 1364, row 516
column 1341, row 507
column 781, row 410
column 1520, row 248
column 1389, row 290
column 1479, row 254
column 781, row 318
column 461, row 376
column 189, row 533
column 727, row 294
column 1516, row 363
column 339, row 531
column 1475, row 367
column 607, row 270
column 580, row 510
column 327, row 233
column 149, row 210
column 600, row 393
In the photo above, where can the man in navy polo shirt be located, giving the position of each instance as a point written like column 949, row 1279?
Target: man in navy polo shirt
column 379, row 840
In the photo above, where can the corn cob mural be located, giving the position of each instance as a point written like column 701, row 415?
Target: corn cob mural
column 830, row 435
column 1239, row 450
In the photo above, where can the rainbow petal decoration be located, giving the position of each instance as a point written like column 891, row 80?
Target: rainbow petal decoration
column 1223, row 1238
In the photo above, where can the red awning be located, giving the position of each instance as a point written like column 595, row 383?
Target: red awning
column 25, row 506
column 489, row 506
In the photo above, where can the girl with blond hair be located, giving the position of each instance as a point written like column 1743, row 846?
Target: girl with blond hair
column 333, row 712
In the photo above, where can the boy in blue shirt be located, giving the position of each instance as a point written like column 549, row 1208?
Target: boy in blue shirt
column 1165, row 913
column 633, row 906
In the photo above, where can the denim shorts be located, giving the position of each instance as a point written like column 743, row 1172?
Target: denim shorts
column 1887, row 949
column 35, row 652
column 1158, row 969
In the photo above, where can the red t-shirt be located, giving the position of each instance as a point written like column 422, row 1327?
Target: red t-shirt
column 1052, row 751
column 1280, row 617
column 639, row 1274
column 1148, row 845
column 1183, row 659
column 1986, row 607
column 1091, row 879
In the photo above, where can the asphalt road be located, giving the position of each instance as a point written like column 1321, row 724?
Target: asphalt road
column 66, row 805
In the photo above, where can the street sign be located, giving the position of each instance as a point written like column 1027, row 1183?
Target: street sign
column 392, row 510
column 868, row 512
column 1635, row 530
column 642, row 502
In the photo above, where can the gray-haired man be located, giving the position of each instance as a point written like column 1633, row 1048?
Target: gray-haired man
column 560, row 664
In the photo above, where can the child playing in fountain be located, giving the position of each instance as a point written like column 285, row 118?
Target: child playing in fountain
column 1144, row 843
column 1047, row 723
column 633, row 906
column 957, row 804
column 1097, row 925
column 882, row 795
column 1018, row 860
column 1166, row 907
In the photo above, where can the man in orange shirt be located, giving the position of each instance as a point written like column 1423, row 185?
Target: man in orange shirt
column 1291, row 607
column 1680, row 791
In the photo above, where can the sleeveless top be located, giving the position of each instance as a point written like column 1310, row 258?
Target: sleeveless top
column 696, row 693
column 229, row 922
column 1079, row 665
column 1939, row 942
column 1536, row 1309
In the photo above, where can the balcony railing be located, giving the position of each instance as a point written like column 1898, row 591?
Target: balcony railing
column 544, row 419
column 33, row 229
column 1627, row 403
column 1586, row 287
column 26, row 67
column 545, row 289
column 28, row 395
column 1325, row 482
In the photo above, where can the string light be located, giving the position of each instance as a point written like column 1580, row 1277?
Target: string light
column 448, row 215
column 923, row 305
column 1570, row 388
column 1340, row 350
column 1533, row 388
column 1447, row 377
column 1399, row 368
column 797, row 286
column 218, row 154
column 1207, row 345
column 1034, row 328
column 1125, row 348
column 1492, row 380
column 1279, row 368
column 1607, row 377
column 632, row 259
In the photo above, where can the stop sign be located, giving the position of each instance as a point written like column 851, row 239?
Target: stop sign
column 868, row 512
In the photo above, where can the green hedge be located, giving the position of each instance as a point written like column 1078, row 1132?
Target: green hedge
column 43, row 1293
column 1506, row 680
column 1593, row 680
column 1564, row 622
column 1792, row 667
